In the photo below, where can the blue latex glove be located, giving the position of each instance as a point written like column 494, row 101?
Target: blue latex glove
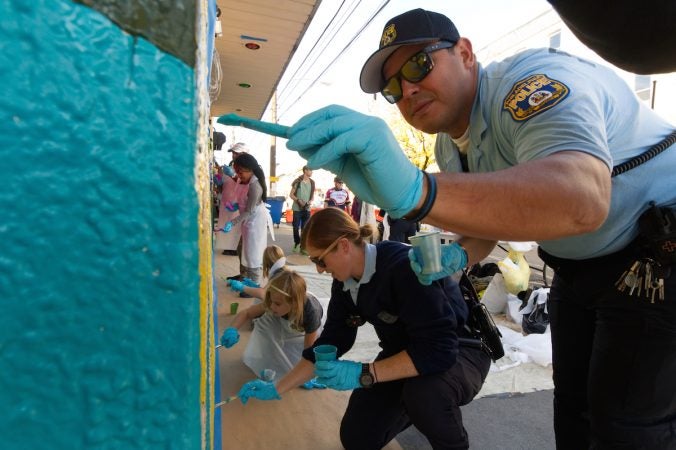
column 236, row 285
column 227, row 227
column 453, row 258
column 361, row 150
column 313, row 384
column 229, row 171
column 230, row 337
column 339, row 375
column 262, row 390
column 249, row 282
column 232, row 206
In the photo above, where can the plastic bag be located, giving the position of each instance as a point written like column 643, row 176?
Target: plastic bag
column 495, row 295
column 515, row 271
column 536, row 348
column 535, row 317
column 514, row 305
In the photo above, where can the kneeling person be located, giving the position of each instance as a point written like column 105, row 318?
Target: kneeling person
column 288, row 321
column 422, row 375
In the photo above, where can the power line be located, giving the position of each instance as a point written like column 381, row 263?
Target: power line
column 327, row 30
column 333, row 61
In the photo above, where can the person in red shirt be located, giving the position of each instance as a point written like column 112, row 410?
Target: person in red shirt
column 338, row 197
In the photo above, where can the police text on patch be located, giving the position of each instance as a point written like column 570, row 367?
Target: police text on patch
column 533, row 95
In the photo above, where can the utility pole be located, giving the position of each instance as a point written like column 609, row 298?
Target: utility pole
column 273, row 148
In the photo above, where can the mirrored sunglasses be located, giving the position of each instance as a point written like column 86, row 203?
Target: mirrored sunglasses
column 414, row 70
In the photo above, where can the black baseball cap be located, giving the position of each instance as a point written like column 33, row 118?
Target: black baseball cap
column 412, row 27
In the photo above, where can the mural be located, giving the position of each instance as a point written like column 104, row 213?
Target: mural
column 106, row 336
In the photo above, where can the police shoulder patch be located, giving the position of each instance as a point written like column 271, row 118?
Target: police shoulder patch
column 533, row 95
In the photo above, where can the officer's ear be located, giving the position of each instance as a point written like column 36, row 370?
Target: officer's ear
column 463, row 49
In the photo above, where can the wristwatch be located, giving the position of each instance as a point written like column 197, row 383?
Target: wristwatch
column 366, row 379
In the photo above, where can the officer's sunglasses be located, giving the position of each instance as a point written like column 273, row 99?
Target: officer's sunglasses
column 319, row 260
column 414, row 70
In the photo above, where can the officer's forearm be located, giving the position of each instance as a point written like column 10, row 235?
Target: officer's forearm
column 565, row 194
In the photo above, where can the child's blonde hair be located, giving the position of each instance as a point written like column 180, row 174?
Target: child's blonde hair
column 292, row 287
column 271, row 255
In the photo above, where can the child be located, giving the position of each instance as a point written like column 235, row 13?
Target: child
column 273, row 261
column 287, row 322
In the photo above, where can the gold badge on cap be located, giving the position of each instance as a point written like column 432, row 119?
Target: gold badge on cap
column 389, row 35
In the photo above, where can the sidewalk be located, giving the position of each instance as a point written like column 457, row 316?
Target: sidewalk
column 311, row 419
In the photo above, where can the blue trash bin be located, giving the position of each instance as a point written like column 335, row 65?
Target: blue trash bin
column 276, row 205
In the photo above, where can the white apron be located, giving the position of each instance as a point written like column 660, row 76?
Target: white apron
column 255, row 237
column 273, row 345
column 233, row 192
column 254, row 234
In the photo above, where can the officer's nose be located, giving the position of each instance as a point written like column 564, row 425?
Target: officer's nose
column 408, row 88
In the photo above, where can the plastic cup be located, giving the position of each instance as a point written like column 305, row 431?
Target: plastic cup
column 233, row 307
column 325, row 352
column 427, row 248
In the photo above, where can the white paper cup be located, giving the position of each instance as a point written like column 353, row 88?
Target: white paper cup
column 427, row 248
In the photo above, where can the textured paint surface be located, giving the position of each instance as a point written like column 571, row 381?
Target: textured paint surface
column 203, row 166
column 169, row 24
column 101, row 277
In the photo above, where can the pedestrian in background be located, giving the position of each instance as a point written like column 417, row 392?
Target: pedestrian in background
column 253, row 216
column 233, row 195
column 302, row 194
column 399, row 230
column 356, row 209
column 338, row 196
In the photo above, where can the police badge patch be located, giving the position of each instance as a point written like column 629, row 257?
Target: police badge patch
column 533, row 95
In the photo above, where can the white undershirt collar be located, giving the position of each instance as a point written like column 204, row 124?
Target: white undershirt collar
column 370, row 253
column 462, row 142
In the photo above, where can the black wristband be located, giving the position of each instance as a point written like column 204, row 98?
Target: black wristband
column 429, row 199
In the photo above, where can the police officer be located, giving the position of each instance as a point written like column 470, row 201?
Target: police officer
column 528, row 145
column 422, row 375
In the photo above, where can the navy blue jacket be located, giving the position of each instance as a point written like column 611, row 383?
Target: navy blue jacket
column 423, row 320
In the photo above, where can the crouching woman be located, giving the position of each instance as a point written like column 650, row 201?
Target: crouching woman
column 421, row 376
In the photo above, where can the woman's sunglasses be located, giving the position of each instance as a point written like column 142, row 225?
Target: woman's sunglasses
column 414, row 70
column 319, row 260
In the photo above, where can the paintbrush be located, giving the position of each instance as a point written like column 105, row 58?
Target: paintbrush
column 256, row 125
column 265, row 375
column 227, row 400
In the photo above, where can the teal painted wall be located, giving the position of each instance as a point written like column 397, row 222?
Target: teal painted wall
column 99, row 255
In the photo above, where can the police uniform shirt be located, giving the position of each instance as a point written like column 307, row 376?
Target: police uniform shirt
column 543, row 101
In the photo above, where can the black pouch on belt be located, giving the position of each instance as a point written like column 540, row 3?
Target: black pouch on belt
column 657, row 230
column 481, row 331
